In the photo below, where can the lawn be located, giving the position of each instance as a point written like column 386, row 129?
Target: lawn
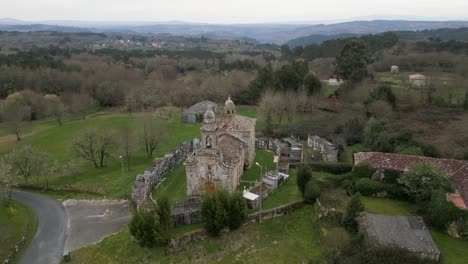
column 14, row 217
column 174, row 185
column 56, row 141
column 265, row 159
column 453, row 250
column 288, row 192
column 289, row 239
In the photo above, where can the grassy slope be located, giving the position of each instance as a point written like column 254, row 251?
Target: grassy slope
column 14, row 217
column 291, row 238
column 55, row 140
column 453, row 250
column 174, row 185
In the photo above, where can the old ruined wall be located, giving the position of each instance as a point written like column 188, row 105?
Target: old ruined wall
column 145, row 183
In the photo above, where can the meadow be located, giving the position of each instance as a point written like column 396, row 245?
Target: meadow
column 56, row 141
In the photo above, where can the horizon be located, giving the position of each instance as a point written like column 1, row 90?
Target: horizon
column 221, row 12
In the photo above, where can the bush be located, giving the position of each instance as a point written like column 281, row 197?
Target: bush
column 368, row 186
column 333, row 168
column 144, row 227
column 391, row 176
column 339, row 180
column 353, row 208
column 363, row 170
column 312, row 192
column 441, row 212
column 396, row 191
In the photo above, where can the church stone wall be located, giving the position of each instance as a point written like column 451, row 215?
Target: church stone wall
column 145, row 183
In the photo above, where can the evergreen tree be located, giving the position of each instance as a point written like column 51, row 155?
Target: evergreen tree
column 353, row 208
column 351, row 64
column 304, row 175
column 164, row 215
column 237, row 210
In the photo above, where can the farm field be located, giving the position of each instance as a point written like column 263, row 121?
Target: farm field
column 292, row 238
column 14, row 217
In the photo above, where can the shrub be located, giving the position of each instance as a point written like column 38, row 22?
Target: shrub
column 441, row 212
column 368, row 186
column 339, row 180
column 391, row 176
column 333, row 168
column 311, row 192
column 363, row 170
column 144, row 227
column 353, row 208
column 396, row 191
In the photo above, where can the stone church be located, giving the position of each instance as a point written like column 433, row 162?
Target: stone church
column 227, row 147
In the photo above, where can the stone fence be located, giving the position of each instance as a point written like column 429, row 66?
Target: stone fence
column 275, row 212
column 145, row 183
column 18, row 247
column 201, row 234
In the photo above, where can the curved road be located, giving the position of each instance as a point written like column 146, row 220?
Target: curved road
column 47, row 246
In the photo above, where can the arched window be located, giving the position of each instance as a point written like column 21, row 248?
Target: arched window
column 208, row 142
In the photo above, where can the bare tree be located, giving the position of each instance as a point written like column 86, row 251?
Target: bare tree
column 81, row 103
column 16, row 114
column 127, row 144
column 95, row 146
column 27, row 161
column 153, row 132
column 55, row 108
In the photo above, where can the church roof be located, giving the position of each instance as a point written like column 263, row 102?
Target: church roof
column 231, row 147
column 235, row 123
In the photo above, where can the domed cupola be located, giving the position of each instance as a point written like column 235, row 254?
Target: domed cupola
column 229, row 107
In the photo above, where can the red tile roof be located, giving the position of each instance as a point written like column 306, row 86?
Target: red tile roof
column 457, row 200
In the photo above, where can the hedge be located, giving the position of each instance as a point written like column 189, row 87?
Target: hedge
column 333, row 168
column 363, row 170
column 368, row 187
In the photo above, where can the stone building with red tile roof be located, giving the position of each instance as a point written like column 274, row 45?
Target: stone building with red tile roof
column 227, row 147
column 456, row 169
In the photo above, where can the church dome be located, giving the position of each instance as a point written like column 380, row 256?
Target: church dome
column 229, row 104
column 209, row 117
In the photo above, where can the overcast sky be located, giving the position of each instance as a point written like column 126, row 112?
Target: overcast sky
column 229, row 11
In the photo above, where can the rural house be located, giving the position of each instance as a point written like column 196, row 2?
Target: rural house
column 456, row 169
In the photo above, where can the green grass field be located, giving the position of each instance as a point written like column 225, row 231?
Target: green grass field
column 289, row 239
column 14, row 217
column 453, row 250
column 56, row 141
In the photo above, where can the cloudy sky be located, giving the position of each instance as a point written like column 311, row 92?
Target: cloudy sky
column 230, row 11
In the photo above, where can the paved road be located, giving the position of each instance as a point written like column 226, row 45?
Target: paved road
column 47, row 246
